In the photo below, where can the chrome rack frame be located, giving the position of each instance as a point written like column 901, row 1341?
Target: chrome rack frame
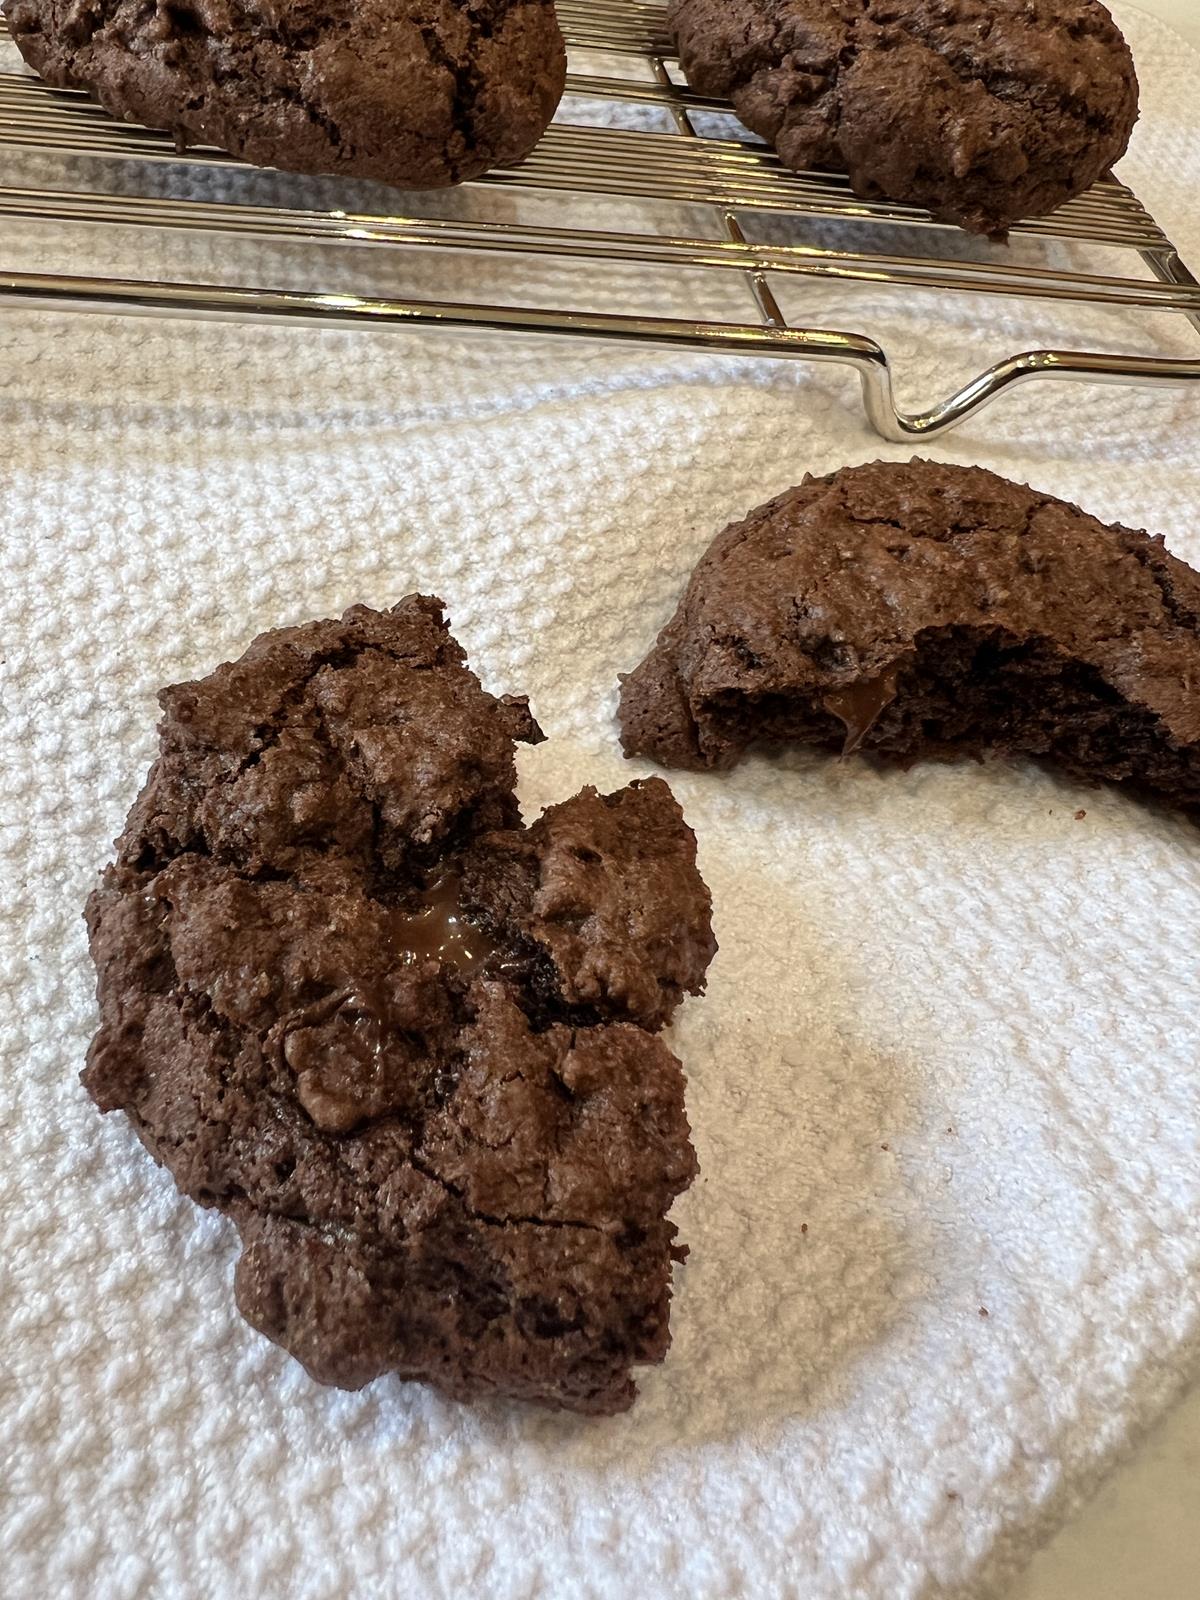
column 728, row 176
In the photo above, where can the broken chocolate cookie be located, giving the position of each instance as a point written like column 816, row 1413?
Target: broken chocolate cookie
column 408, row 1044
column 927, row 610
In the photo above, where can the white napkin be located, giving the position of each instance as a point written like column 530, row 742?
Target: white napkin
column 944, row 1090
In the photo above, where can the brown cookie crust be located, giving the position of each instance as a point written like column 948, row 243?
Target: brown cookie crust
column 981, row 111
column 419, row 94
column 407, row 1044
column 929, row 610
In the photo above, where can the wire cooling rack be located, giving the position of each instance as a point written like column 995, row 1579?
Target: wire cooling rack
column 652, row 172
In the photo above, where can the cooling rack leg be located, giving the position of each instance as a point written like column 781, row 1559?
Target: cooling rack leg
column 760, row 289
column 1167, row 267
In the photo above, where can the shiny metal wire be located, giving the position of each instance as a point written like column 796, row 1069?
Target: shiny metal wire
column 728, row 177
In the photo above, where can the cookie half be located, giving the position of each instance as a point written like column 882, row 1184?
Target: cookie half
column 927, row 610
column 418, row 93
column 981, row 111
column 409, row 1045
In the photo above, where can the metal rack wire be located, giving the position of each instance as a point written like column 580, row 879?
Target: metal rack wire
column 730, row 179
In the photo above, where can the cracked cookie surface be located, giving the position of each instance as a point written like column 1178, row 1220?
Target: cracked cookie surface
column 420, row 94
column 409, row 1045
column 982, row 111
column 928, row 610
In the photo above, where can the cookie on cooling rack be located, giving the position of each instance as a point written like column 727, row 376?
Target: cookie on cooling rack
column 927, row 610
column 981, row 111
column 417, row 96
column 409, row 1045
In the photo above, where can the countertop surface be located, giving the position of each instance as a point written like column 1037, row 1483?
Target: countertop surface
column 1139, row 1538
column 1183, row 15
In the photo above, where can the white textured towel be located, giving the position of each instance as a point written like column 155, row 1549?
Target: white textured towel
column 944, row 1085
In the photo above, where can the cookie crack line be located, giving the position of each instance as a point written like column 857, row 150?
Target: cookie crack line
column 465, row 90
column 1151, row 558
column 453, row 1189
column 429, row 1144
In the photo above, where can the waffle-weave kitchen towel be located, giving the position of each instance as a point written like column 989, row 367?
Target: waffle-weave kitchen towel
column 944, row 1085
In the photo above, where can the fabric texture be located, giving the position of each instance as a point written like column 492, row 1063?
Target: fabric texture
column 945, row 1262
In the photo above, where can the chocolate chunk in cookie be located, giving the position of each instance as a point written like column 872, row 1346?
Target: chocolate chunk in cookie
column 420, row 93
column 928, row 610
column 409, row 1045
column 982, row 111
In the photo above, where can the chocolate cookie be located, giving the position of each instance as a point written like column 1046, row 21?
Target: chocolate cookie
column 982, row 111
column 406, row 1043
column 928, row 610
column 418, row 93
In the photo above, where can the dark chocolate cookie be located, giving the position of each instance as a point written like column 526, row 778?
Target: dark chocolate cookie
column 418, row 93
column 982, row 111
column 406, row 1043
column 928, row 610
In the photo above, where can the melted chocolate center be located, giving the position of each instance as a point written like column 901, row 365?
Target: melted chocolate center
column 437, row 928
column 859, row 706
